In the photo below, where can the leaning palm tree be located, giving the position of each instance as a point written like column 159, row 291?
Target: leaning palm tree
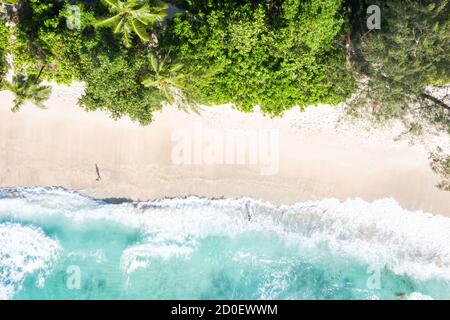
column 165, row 77
column 131, row 16
column 28, row 89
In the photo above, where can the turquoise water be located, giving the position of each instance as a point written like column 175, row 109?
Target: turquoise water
column 57, row 244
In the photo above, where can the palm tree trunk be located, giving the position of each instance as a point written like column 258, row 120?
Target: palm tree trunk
column 436, row 101
column 40, row 72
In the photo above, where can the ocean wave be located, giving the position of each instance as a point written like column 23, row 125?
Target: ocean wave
column 380, row 234
column 419, row 296
column 24, row 250
column 139, row 256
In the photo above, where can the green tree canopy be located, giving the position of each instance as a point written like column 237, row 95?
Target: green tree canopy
column 28, row 89
column 275, row 54
column 131, row 16
column 165, row 76
column 4, row 36
column 401, row 62
column 440, row 163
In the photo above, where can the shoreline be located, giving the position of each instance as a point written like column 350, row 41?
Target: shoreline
column 309, row 156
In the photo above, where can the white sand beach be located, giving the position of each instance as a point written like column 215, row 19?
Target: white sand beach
column 301, row 156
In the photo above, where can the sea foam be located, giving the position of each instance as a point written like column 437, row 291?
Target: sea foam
column 380, row 234
column 23, row 251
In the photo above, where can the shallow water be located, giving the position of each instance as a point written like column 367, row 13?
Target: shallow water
column 58, row 244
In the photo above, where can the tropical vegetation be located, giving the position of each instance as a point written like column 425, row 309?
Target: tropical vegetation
column 130, row 17
column 440, row 163
column 28, row 88
column 402, row 61
column 136, row 55
column 168, row 79
column 4, row 36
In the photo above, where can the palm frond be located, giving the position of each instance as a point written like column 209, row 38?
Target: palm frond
column 119, row 26
column 168, row 96
column 130, row 4
column 108, row 22
column 27, row 89
column 126, row 35
column 154, row 63
column 150, row 82
column 132, row 17
column 176, row 67
column 177, row 84
column 139, row 29
column 147, row 15
column 113, row 4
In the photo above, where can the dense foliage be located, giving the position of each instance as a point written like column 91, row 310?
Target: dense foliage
column 131, row 17
column 3, row 46
column 402, row 60
column 402, row 65
column 28, row 88
column 440, row 163
column 114, row 82
column 112, row 73
column 42, row 39
column 275, row 54
column 134, row 55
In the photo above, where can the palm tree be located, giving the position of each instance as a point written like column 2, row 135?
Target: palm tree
column 165, row 77
column 28, row 89
column 131, row 16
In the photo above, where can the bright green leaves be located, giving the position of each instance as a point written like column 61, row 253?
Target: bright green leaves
column 113, row 84
column 28, row 89
column 131, row 17
column 408, row 54
column 4, row 38
column 115, row 22
column 275, row 57
column 139, row 28
column 166, row 77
